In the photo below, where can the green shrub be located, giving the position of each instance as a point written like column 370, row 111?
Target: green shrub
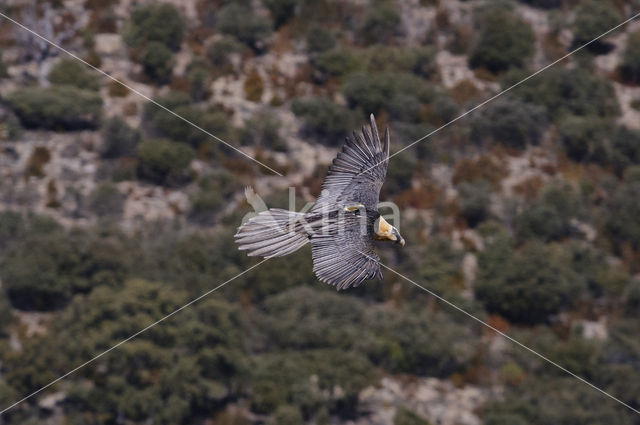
column 56, row 108
column 374, row 92
column 585, row 138
column 287, row 415
column 337, row 62
column 630, row 67
column 70, row 72
column 549, row 216
column 504, row 41
column 169, row 126
column 381, row 23
column 593, row 18
column 324, row 120
column 219, row 51
column 567, row 91
column 157, row 62
column 164, row 162
column 240, row 21
column 417, row 60
column 510, row 122
column 319, row 39
column 281, row 10
column 212, row 196
column 475, row 200
column 623, row 218
column 263, row 130
column 198, row 76
column 119, row 139
column 161, row 23
column 106, row 201
column 528, row 285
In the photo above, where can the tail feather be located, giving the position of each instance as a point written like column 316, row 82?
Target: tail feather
column 272, row 233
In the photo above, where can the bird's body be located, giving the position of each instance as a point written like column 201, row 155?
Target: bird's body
column 342, row 226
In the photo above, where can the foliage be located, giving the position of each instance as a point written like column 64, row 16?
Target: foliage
column 106, row 201
column 504, row 42
column 325, row 120
column 630, row 67
column 475, row 199
column 263, row 130
column 157, row 62
column 510, row 122
column 37, row 277
column 164, row 162
column 281, row 10
column 319, row 39
column 170, row 126
column 219, row 51
column 4, row 69
column 337, row 62
column 549, row 216
column 381, row 23
column 584, row 138
column 593, row 18
column 210, row 198
column 239, row 20
column 568, row 91
column 399, row 93
column 56, row 108
column 161, row 23
column 623, row 214
column 70, row 72
column 527, row 285
column 119, row 139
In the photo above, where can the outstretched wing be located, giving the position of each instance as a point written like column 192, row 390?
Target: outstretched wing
column 343, row 252
column 358, row 172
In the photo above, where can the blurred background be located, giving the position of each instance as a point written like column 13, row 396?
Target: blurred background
column 113, row 212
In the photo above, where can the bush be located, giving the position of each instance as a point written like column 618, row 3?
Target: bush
column 510, row 122
column 253, row 86
column 164, row 162
column 213, row 193
column 319, row 39
column 504, row 41
column 119, row 139
column 263, row 130
column 417, row 60
column 56, row 108
column 219, row 51
column 404, row 416
column 623, row 218
column 567, row 91
column 630, row 67
column 475, row 200
column 337, row 62
column 324, row 120
column 167, row 125
column 281, row 10
column 106, row 201
column 528, row 285
column 239, row 20
column 593, row 18
column 4, row 69
column 584, row 138
column 549, row 216
column 70, row 72
column 157, row 62
column 375, row 92
column 198, row 76
column 381, row 24
column 161, row 23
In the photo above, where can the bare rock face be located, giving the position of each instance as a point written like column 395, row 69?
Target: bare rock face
column 438, row 401
column 109, row 44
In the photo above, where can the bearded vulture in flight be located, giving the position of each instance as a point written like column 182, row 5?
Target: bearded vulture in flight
column 343, row 224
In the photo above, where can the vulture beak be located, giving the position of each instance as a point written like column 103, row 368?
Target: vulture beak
column 399, row 239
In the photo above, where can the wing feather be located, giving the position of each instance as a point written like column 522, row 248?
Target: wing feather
column 358, row 171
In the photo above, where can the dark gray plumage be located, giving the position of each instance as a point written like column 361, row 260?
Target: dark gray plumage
column 343, row 224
